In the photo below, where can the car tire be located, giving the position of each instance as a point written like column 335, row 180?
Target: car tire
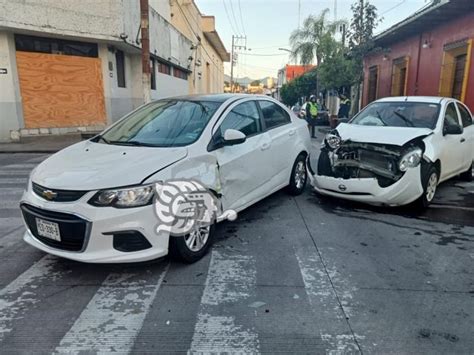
column 181, row 249
column 429, row 181
column 467, row 175
column 299, row 176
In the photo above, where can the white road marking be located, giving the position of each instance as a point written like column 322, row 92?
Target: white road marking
column 231, row 278
column 20, row 294
column 15, row 172
column 6, row 204
column 21, row 166
column 13, row 180
column 114, row 316
column 13, row 238
column 11, row 191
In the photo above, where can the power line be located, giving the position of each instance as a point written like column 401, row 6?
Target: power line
column 393, row 7
column 228, row 18
column 242, row 19
column 233, row 15
column 262, row 55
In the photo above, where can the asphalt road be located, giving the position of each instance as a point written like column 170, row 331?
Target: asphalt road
column 305, row 274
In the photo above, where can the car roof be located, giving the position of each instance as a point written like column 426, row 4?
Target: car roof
column 425, row 99
column 209, row 97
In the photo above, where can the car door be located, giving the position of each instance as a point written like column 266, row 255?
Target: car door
column 243, row 168
column 467, row 139
column 452, row 158
column 277, row 122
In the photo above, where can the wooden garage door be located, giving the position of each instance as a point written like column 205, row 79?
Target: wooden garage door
column 60, row 90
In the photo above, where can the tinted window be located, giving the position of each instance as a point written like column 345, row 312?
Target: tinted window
column 451, row 116
column 399, row 114
column 466, row 117
column 244, row 118
column 153, row 73
column 273, row 114
column 120, row 63
column 166, row 123
column 55, row 46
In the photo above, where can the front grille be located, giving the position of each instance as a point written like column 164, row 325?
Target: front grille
column 376, row 159
column 74, row 230
column 57, row 195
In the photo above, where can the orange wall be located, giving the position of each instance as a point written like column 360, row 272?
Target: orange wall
column 60, row 90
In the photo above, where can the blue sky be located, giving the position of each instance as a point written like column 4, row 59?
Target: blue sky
column 269, row 23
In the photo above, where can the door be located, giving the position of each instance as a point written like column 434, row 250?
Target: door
column 452, row 157
column 243, row 168
column 277, row 123
column 467, row 138
column 459, row 68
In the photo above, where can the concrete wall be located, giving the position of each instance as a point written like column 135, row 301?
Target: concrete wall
column 11, row 115
column 169, row 86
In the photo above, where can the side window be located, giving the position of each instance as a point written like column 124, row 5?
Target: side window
column 273, row 115
column 466, row 117
column 120, row 64
column 451, row 116
column 244, row 118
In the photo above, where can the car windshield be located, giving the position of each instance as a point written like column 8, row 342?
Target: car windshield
column 399, row 114
column 167, row 123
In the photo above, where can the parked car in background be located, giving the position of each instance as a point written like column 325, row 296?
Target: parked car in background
column 93, row 201
column 322, row 118
column 396, row 151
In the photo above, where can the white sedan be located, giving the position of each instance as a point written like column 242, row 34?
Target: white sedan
column 98, row 200
column 396, row 151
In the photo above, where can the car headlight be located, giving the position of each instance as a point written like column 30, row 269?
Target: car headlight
column 333, row 141
column 124, row 198
column 411, row 159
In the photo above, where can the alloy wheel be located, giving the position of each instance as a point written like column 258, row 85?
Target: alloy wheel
column 197, row 239
column 431, row 187
column 300, row 174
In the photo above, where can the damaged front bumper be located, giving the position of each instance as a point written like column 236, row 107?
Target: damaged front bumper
column 406, row 190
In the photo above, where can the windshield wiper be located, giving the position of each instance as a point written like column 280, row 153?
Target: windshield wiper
column 407, row 121
column 133, row 143
column 379, row 116
column 99, row 138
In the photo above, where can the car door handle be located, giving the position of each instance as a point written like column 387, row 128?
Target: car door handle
column 463, row 140
column 292, row 132
column 265, row 146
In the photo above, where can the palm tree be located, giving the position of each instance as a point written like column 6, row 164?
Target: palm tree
column 315, row 39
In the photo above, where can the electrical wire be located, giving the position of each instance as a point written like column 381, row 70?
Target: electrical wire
column 228, row 18
column 233, row 15
column 393, row 7
column 242, row 19
column 262, row 55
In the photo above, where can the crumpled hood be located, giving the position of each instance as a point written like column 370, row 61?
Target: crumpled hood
column 380, row 134
column 92, row 166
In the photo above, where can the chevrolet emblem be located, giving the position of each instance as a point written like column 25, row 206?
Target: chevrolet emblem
column 49, row 195
column 342, row 187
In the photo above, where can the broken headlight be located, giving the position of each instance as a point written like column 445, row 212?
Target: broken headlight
column 411, row 159
column 333, row 141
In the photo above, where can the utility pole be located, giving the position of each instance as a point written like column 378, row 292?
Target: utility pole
column 232, row 67
column 145, row 41
column 233, row 59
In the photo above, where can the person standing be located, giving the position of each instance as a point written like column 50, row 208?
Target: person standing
column 344, row 107
column 312, row 114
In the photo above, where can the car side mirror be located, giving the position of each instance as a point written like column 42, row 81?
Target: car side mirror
column 233, row 137
column 452, row 130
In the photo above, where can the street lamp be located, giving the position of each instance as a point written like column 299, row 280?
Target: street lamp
column 289, row 51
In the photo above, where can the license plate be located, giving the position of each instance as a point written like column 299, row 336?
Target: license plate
column 48, row 229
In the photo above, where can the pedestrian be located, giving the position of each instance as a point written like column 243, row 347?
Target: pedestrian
column 311, row 114
column 344, row 106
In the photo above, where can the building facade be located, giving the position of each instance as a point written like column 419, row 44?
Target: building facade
column 288, row 73
column 427, row 54
column 209, row 53
column 68, row 66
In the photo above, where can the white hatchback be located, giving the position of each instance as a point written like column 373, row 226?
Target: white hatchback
column 94, row 201
column 396, row 151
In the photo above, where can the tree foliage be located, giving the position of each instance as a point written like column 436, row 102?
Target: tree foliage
column 315, row 39
column 255, row 83
column 302, row 86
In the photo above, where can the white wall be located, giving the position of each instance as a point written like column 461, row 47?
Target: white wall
column 11, row 113
column 169, row 86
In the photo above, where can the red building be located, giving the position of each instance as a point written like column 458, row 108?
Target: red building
column 427, row 54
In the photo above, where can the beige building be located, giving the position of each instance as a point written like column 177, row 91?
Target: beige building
column 209, row 53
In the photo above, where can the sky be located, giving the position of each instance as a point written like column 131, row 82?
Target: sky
column 269, row 23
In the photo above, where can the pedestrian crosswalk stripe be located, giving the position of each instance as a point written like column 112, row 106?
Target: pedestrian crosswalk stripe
column 114, row 316
column 19, row 295
column 13, row 238
column 25, row 166
column 9, row 204
column 13, row 180
column 231, row 278
column 11, row 191
column 15, row 172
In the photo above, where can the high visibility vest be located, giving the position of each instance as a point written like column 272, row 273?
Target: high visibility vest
column 313, row 109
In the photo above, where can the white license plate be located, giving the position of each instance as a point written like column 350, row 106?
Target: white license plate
column 48, row 229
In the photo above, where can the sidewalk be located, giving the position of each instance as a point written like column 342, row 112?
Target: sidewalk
column 42, row 144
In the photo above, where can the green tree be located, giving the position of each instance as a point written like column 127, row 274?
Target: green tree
column 255, row 83
column 315, row 39
column 302, row 86
column 361, row 33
